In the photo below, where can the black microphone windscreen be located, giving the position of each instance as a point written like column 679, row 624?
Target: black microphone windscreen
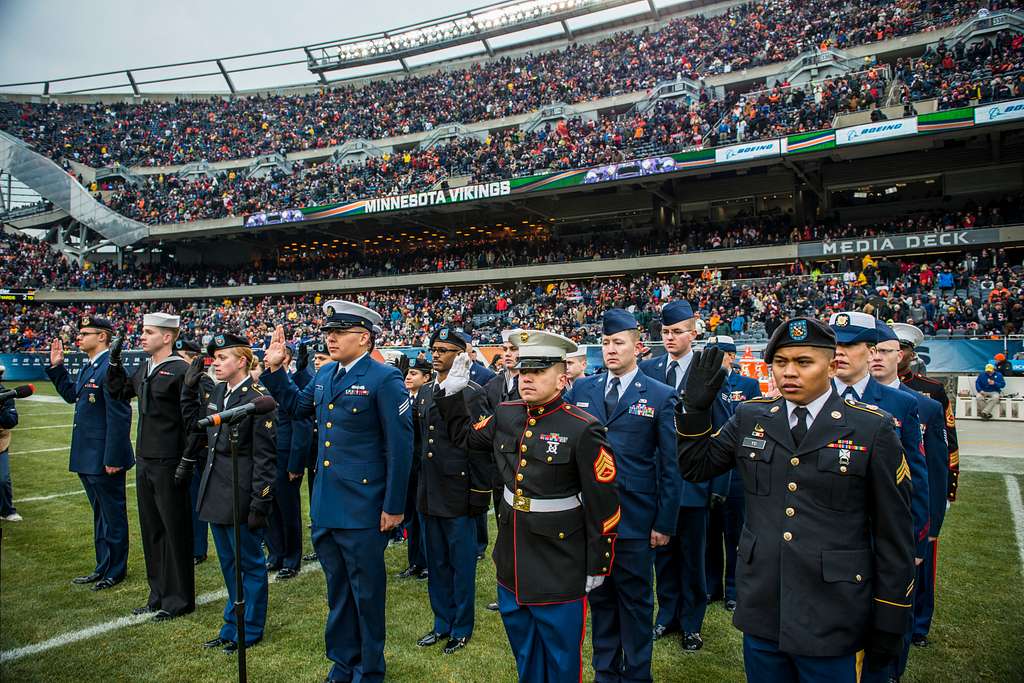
column 264, row 404
column 24, row 391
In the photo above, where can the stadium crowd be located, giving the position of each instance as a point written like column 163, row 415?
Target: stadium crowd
column 745, row 36
column 980, row 292
column 26, row 263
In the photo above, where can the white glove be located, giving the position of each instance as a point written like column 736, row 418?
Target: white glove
column 593, row 582
column 458, row 376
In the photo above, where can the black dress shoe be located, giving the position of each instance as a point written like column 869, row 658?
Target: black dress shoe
column 216, row 642
column 423, row 575
column 286, row 573
column 271, row 567
column 432, row 638
column 492, row 606
column 730, row 605
column 409, row 572
column 230, row 647
column 456, row 644
column 692, row 642
column 309, row 558
column 479, row 556
column 198, row 559
column 661, row 630
column 163, row 615
column 919, row 641
column 103, row 584
column 143, row 610
column 81, row 580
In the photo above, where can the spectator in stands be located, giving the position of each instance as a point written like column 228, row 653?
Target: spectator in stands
column 1003, row 366
column 988, row 387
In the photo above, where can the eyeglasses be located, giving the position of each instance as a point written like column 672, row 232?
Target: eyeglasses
column 884, row 352
column 437, row 351
column 86, row 334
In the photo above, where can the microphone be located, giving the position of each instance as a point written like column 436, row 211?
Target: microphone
column 261, row 406
column 24, row 391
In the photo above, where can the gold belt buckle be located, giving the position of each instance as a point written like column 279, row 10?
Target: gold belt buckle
column 521, row 503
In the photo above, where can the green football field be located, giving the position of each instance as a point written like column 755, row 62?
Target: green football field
column 51, row 630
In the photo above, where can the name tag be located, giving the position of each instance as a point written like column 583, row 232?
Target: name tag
column 751, row 442
column 582, row 404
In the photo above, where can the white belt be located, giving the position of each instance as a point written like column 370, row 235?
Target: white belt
column 524, row 504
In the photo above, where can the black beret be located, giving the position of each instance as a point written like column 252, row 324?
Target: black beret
column 800, row 332
column 423, row 365
column 187, row 345
column 449, row 336
column 226, row 341
column 96, row 322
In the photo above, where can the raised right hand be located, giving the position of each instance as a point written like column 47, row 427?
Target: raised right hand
column 56, row 353
column 458, row 376
column 705, row 379
column 115, row 350
column 195, row 372
column 275, row 355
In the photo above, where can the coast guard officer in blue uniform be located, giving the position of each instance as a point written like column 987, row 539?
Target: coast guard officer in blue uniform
column 679, row 566
column 364, row 425
column 101, row 449
column 638, row 413
column 725, row 517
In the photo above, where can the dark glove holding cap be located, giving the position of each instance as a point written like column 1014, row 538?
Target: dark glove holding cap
column 704, row 381
column 303, row 357
column 195, row 372
column 183, row 472
column 882, row 649
column 257, row 520
column 115, row 350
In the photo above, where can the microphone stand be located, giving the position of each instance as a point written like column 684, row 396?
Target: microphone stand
column 239, row 593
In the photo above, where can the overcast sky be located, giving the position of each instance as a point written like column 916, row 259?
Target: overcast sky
column 46, row 39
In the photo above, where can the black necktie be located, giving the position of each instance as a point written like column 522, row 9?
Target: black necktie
column 611, row 399
column 672, row 378
column 339, row 374
column 799, row 430
column 851, row 393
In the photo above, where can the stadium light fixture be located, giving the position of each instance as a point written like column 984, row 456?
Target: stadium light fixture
column 476, row 25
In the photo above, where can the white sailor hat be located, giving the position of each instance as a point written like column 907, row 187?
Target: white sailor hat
column 539, row 349
column 162, row 320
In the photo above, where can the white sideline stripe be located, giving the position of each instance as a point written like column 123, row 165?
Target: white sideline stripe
column 115, row 624
column 25, row 429
column 43, row 399
column 42, row 450
column 59, row 495
column 1017, row 508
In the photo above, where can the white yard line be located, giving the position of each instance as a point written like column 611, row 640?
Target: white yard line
column 106, row 627
column 1017, row 508
column 42, row 450
column 25, row 429
column 34, row 499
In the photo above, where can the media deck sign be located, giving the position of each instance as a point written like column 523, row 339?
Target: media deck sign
column 879, row 245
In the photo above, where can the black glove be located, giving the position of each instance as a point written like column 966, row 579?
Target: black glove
column 704, row 381
column 115, row 350
column 183, row 472
column 717, row 499
column 882, row 649
column 257, row 520
column 195, row 372
column 303, row 357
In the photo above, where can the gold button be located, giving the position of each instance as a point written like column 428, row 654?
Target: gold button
column 523, row 448
column 561, row 534
column 430, row 455
column 431, row 427
column 328, row 425
column 540, row 411
column 532, row 422
column 792, row 486
column 327, row 463
column 794, row 461
column 790, row 512
column 859, row 578
column 519, row 477
column 355, row 410
column 550, row 458
column 519, row 492
column 365, row 481
column 327, row 444
column 604, row 569
column 607, row 554
column 522, row 463
column 842, row 468
column 528, row 433
column 462, row 474
column 430, row 441
column 609, row 540
column 787, row 536
column 330, row 406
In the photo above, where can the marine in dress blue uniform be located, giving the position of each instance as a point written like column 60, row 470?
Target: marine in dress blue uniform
column 284, row 533
column 257, row 451
column 826, row 553
column 100, row 442
column 640, row 429
column 725, row 515
column 8, row 421
column 559, row 509
column 453, row 489
column 364, row 451
column 681, row 580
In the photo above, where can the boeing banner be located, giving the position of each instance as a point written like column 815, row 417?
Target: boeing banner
column 879, row 130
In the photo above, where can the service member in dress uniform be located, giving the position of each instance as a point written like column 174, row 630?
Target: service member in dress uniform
column 284, row 533
column 679, row 566
column 910, row 338
column 453, row 489
column 941, row 484
column 257, row 471
column 559, row 510
column 8, row 421
column 637, row 413
column 101, row 448
column 725, row 515
column 416, row 378
column 884, row 369
column 305, row 371
column 164, row 516
column 575, row 366
column 478, row 372
column 826, row 564
column 196, row 455
column 856, row 336
column 364, row 429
